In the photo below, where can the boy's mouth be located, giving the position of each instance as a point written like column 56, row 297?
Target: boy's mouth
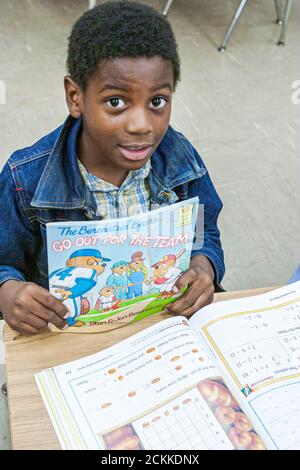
column 135, row 152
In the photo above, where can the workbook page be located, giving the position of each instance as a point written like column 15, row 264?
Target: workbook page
column 256, row 343
column 159, row 389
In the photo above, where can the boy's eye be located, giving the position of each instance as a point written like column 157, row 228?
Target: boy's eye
column 158, row 102
column 116, row 102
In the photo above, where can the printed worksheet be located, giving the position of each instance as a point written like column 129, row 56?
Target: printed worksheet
column 159, row 389
column 256, row 343
column 228, row 378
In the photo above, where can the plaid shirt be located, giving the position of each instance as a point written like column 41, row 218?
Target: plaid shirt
column 113, row 202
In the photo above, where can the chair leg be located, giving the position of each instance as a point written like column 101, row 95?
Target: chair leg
column 4, row 389
column 287, row 11
column 278, row 11
column 167, row 7
column 232, row 25
column 92, row 4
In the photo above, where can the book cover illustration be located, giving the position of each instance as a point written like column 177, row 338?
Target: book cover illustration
column 112, row 272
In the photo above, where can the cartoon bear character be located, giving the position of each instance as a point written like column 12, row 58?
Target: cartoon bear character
column 118, row 279
column 107, row 299
column 137, row 275
column 71, row 283
column 165, row 274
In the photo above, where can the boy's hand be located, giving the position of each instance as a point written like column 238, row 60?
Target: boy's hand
column 28, row 308
column 200, row 281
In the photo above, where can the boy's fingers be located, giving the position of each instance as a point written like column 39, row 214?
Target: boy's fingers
column 203, row 279
column 26, row 329
column 205, row 299
column 47, row 315
column 185, row 301
column 184, row 279
column 34, row 321
column 49, row 301
column 51, row 317
column 194, row 296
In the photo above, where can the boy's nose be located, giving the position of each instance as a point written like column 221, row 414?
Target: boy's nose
column 138, row 122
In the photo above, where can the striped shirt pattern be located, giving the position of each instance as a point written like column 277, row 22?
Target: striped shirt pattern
column 113, row 202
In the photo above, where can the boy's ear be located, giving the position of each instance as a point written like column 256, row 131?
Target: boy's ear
column 73, row 95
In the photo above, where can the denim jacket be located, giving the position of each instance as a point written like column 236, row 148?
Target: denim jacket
column 42, row 183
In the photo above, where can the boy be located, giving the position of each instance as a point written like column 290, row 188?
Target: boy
column 114, row 156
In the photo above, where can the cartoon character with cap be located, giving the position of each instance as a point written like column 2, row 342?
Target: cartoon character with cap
column 165, row 274
column 118, row 279
column 137, row 274
column 71, row 283
column 107, row 299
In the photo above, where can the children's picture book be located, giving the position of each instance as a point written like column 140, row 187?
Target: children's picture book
column 112, row 272
column 227, row 378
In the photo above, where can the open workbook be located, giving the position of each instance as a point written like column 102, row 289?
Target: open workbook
column 228, row 378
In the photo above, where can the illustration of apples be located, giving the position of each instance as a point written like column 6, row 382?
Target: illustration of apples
column 240, row 439
column 225, row 415
column 217, row 394
column 242, row 422
column 117, row 435
column 256, row 442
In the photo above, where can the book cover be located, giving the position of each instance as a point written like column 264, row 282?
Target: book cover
column 112, row 272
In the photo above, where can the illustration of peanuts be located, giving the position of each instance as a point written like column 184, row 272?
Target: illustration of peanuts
column 186, row 401
column 131, row 394
column 112, row 371
column 157, row 418
column 175, row 358
column 106, row 405
column 156, row 380
column 150, row 350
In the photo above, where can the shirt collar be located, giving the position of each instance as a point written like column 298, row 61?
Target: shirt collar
column 95, row 183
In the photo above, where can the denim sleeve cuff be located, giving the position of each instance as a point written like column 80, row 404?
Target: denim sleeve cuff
column 13, row 275
column 217, row 265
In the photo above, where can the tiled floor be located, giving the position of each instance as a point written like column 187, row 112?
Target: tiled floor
column 235, row 107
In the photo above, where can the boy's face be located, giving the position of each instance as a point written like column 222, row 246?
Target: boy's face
column 126, row 111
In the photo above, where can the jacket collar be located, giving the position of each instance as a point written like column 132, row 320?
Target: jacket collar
column 61, row 185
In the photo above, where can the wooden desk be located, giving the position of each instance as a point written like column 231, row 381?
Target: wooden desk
column 31, row 427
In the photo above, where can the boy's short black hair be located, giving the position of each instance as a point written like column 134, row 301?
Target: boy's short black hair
column 118, row 29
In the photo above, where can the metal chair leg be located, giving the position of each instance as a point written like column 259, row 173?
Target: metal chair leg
column 167, row 7
column 4, row 389
column 278, row 11
column 232, row 25
column 92, row 4
column 287, row 11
